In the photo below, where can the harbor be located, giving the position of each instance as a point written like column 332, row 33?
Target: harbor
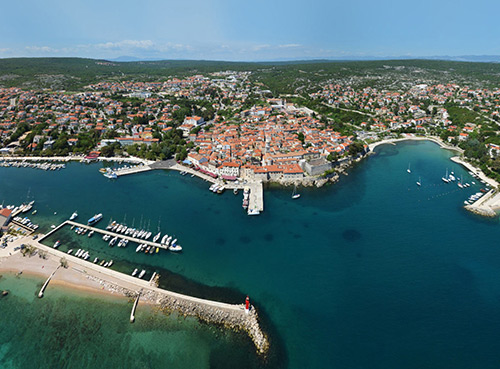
column 256, row 188
column 109, row 233
column 398, row 248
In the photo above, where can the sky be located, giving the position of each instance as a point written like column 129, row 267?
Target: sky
column 250, row 30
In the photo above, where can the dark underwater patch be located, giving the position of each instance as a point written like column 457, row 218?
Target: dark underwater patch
column 351, row 235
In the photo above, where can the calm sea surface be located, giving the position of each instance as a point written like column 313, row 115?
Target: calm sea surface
column 372, row 272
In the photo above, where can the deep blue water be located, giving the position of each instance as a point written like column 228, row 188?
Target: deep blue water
column 372, row 272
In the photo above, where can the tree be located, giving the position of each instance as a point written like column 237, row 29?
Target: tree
column 333, row 157
column 300, row 137
column 356, row 148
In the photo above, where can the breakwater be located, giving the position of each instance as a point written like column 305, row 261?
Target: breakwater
column 231, row 316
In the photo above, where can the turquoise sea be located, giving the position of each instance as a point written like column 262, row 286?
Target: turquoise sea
column 372, row 272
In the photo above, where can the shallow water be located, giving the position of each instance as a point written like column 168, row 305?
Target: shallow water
column 371, row 272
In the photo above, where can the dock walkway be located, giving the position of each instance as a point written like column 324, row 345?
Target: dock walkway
column 137, row 169
column 104, row 231
column 40, row 294
column 119, row 235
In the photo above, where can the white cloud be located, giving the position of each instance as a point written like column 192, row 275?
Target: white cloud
column 288, row 46
column 261, row 47
column 126, row 44
column 41, row 49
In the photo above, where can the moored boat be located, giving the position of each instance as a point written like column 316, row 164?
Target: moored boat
column 156, row 238
column 175, row 248
column 96, row 218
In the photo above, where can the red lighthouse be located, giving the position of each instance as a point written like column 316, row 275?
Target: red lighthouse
column 247, row 305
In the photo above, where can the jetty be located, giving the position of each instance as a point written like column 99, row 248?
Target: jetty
column 40, row 294
column 134, row 307
column 232, row 316
column 132, row 170
column 104, row 231
column 488, row 205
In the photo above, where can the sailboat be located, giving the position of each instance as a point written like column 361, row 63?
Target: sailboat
column 419, row 183
column 408, row 170
column 446, row 179
column 295, row 195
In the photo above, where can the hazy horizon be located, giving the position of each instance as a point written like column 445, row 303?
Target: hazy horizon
column 257, row 31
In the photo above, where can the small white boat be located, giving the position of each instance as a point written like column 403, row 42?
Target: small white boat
column 141, row 274
column 419, row 183
column 134, row 272
column 175, row 248
column 446, row 178
column 91, row 233
column 295, row 195
column 73, row 216
column 408, row 170
column 138, row 248
column 70, row 251
column 164, row 239
column 110, row 263
column 57, row 244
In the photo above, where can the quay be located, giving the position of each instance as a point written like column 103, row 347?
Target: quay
column 488, row 205
column 256, row 199
column 23, row 226
column 132, row 170
column 40, row 294
column 232, row 316
column 104, row 231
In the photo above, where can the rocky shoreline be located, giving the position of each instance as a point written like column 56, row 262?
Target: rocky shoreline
column 235, row 319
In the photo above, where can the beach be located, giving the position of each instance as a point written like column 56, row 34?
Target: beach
column 410, row 137
column 89, row 277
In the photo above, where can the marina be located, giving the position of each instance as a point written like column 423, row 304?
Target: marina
column 109, row 233
column 395, row 255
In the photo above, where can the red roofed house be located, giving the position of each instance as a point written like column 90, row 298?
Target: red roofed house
column 4, row 218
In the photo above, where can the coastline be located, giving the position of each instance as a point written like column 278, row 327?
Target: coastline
column 408, row 137
column 93, row 279
column 489, row 204
column 77, row 158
